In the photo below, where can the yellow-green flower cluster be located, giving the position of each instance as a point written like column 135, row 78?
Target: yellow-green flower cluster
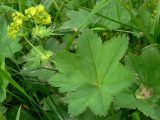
column 39, row 15
column 16, row 24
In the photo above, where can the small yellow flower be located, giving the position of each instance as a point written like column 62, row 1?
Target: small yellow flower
column 31, row 11
column 11, row 32
column 47, row 20
column 16, row 24
column 18, row 15
column 19, row 22
column 38, row 14
column 40, row 8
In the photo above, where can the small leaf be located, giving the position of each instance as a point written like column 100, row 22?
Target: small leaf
column 41, row 32
column 36, row 59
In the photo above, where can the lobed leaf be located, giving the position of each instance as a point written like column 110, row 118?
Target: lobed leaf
column 146, row 98
column 94, row 74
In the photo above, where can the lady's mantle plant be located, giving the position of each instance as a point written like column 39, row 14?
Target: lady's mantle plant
column 94, row 75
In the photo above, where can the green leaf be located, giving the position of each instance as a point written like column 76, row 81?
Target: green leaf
column 88, row 115
column 42, row 32
column 3, row 82
column 76, row 17
column 2, row 93
column 147, row 68
column 131, row 102
column 41, row 73
column 7, row 46
column 36, row 59
column 146, row 97
column 18, row 114
column 94, row 74
column 115, row 11
column 147, row 20
column 54, row 45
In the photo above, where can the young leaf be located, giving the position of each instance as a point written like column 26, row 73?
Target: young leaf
column 36, row 59
column 94, row 75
